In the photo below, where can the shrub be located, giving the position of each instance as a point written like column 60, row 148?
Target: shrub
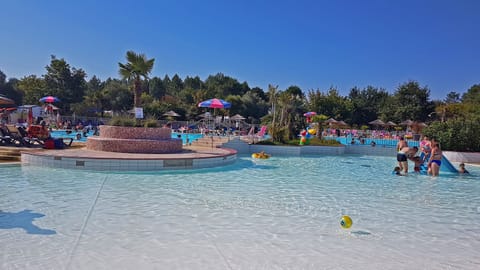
column 123, row 121
column 456, row 134
column 150, row 123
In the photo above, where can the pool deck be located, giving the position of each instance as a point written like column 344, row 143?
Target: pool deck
column 191, row 157
column 188, row 153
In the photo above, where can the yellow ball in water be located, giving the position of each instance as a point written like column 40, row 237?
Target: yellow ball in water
column 346, row 222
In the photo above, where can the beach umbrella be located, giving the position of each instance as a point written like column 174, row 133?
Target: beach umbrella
column 215, row 103
column 49, row 99
column 171, row 114
column 420, row 124
column 8, row 109
column 341, row 123
column 6, row 101
column 407, row 123
column 309, row 114
column 377, row 122
column 206, row 115
column 237, row 117
column 331, row 121
column 390, row 124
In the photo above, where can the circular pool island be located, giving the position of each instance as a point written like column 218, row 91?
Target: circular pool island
column 135, row 140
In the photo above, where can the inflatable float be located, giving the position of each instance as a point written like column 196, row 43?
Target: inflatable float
column 260, row 155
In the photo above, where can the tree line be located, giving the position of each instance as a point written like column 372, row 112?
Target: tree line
column 282, row 109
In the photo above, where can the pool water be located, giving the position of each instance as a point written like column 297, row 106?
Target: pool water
column 63, row 134
column 279, row 213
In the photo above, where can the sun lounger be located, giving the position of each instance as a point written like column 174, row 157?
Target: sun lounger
column 5, row 139
column 18, row 138
column 57, row 143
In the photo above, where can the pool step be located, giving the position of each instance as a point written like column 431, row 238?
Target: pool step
column 10, row 154
column 215, row 141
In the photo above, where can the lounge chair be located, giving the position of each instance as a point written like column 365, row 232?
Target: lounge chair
column 5, row 139
column 258, row 136
column 18, row 139
column 35, row 134
column 262, row 132
column 57, row 143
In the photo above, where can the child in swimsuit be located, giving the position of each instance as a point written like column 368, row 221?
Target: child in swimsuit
column 396, row 171
column 418, row 162
column 462, row 169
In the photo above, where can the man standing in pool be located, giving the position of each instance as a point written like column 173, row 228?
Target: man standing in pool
column 403, row 155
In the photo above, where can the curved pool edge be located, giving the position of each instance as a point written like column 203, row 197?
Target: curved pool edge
column 84, row 159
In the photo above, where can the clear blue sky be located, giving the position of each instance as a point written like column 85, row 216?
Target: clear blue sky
column 312, row 44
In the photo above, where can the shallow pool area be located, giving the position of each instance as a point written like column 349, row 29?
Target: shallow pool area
column 278, row 213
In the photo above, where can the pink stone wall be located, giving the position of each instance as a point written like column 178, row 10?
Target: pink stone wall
column 135, row 133
column 134, row 140
column 135, row 145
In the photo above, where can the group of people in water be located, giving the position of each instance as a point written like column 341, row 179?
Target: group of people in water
column 430, row 152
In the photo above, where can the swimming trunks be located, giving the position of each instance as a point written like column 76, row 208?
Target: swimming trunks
column 438, row 162
column 416, row 169
column 401, row 157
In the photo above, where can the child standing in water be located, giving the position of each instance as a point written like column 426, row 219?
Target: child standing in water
column 462, row 169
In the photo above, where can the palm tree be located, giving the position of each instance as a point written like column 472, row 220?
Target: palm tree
column 272, row 96
column 136, row 68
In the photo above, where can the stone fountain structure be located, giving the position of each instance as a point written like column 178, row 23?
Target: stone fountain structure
column 135, row 140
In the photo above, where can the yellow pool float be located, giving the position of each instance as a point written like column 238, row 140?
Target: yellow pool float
column 260, row 155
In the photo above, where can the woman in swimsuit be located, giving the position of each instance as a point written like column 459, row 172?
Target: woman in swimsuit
column 401, row 155
column 435, row 160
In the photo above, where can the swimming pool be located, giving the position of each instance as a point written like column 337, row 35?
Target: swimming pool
column 279, row 213
column 367, row 141
column 63, row 134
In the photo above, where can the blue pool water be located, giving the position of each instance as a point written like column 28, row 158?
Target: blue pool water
column 63, row 134
column 279, row 213
column 368, row 141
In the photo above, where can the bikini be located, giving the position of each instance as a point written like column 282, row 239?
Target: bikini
column 437, row 161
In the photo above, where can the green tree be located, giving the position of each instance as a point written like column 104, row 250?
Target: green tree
column 10, row 89
column 291, row 107
column 175, row 86
column 156, row 88
column 331, row 104
column 410, row 101
column 220, row 86
column 273, row 100
column 138, row 67
column 194, row 83
column 33, row 88
column 295, row 90
column 366, row 104
column 65, row 82
column 452, row 97
column 119, row 98
column 472, row 95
